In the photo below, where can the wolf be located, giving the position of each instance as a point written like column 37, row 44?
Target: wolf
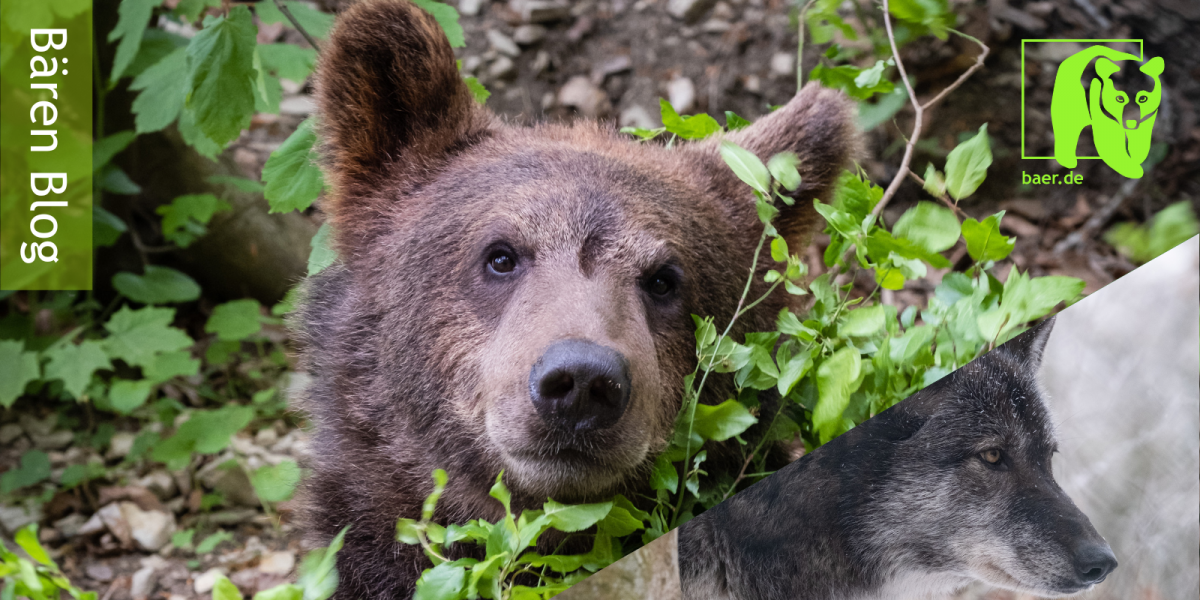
column 950, row 486
column 511, row 299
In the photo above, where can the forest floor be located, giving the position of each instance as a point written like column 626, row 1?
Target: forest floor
column 611, row 60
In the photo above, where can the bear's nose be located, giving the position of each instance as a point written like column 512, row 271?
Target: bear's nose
column 1093, row 562
column 580, row 385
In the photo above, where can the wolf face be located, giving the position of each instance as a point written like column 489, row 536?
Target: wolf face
column 950, row 486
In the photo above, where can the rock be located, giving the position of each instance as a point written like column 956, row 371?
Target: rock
column 151, row 529
column 752, row 84
column 503, row 44
column 470, row 7
column 114, row 521
column 92, row 526
column 183, row 481
column 470, row 64
column 49, row 535
column 70, row 525
column 228, row 478
column 246, row 579
column 540, row 11
column 581, row 94
column 161, row 483
column 266, row 437
column 297, row 105
column 681, row 93
column 637, row 116
column 120, row 445
column 34, row 426
column 277, row 563
column 101, row 573
column 689, row 10
column 10, row 432
column 782, row 64
column 716, row 26
column 527, row 35
column 16, row 517
column 541, row 62
column 145, row 579
column 611, row 66
column 723, row 11
column 54, row 441
column 501, row 68
column 204, row 583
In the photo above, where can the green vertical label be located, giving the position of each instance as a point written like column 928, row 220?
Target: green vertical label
column 46, row 145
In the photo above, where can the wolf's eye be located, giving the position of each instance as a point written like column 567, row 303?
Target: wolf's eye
column 990, row 457
column 501, row 262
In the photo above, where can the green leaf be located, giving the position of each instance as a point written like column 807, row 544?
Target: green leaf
column 27, row 539
column 293, row 179
column 284, row 591
column 241, row 184
column 791, row 373
column 446, row 17
column 235, row 320
column 159, row 285
column 861, row 322
column 746, row 166
column 783, row 168
column 75, row 363
column 664, row 476
column 575, row 517
column 443, row 582
column 620, row 522
column 930, row 226
column 190, row 10
column 276, row 483
column 823, row 21
column 885, row 107
column 184, row 219
column 183, row 539
column 935, row 181
column 1168, row 228
column 500, row 492
column 126, row 395
column 225, row 590
column 106, row 148
column 440, row 478
column 984, row 241
column 106, row 227
column 966, row 166
column 689, row 128
column 136, row 336
column 478, row 91
column 222, row 75
column 858, row 83
column 837, row 378
column 313, row 21
column 322, row 254
column 318, row 576
column 288, row 61
column 162, row 93
column 205, row 432
column 779, row 249
column 35, row 468
column 18, row 367
column 734, row 122
column 132, row 18
column 723, row 421
column 934, row 14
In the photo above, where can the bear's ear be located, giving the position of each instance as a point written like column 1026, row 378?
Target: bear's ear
column 390, row 96
column 1029, row 346
column 818, row 124
column 1105, row 68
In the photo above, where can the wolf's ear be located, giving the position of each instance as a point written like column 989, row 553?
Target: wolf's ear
column 390, row 97
column 1029, row 346
column 818, row 124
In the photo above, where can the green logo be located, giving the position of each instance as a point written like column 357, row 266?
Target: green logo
column 1121, row 126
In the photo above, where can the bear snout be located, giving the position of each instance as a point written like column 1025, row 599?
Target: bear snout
column 580, row 386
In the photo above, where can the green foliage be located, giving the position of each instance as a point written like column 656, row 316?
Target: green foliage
column 236, row 320
column 158, row 285
column 291, row 174
column 1168, row 228
column 222, row 75
column 34, row 468
column 184, row 219
column 36, row 579
column 967, row 164
column 323, row 253
column 276, row 483
column 18, row 367
column 858, row 83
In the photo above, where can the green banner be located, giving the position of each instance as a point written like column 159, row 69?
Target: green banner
column 46, row 145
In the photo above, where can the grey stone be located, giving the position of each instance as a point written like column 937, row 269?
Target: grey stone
column 502, row 68
column 70, row 525
column 120, row 445
column 10, row 432
column 681, row 93
column 160, row 482
column 470, row 8
column 782, row 64
column 16, row 517
column 637, row 116
column 689, row 10
column 540, row 11
column 277, row 563
column 580, row 93
column 229, row 479
column 101, row 573
column 503, row 44
column 204, row 583
column 34, row 426
column 527, row 35
column 52, row 441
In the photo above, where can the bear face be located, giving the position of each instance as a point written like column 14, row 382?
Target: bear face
column 510, row 298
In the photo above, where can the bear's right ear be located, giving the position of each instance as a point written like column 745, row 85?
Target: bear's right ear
column 390, row 97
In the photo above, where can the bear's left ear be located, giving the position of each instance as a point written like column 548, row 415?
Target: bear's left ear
column 391, row 100
column 818, row 124
column 1029, row 346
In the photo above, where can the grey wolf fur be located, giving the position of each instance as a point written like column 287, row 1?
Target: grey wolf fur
column 909, row 504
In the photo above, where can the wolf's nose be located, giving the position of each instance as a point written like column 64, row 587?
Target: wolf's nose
column 1093, row 562
column 580, row 385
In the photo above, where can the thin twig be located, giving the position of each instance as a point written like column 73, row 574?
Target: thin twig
column 800, row 46
column 944, row 198
column 918, row 108
column 304, row 32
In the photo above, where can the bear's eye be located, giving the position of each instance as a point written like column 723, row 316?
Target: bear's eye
column 662, row 283
column 501, row 261
column 1143, row 99
column 1121, row 99
column 991, row 457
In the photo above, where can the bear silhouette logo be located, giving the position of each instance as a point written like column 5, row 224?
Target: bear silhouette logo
column 1121, row 128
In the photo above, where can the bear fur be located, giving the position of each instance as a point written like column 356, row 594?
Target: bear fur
column 421, row 356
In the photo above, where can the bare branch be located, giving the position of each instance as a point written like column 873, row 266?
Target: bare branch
column 918, row 108
column 304, row 32
column 944, row 198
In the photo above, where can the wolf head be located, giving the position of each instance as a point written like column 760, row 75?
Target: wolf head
column 971, row 494
column 519, row 298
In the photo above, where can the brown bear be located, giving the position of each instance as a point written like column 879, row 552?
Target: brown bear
column 511, row 298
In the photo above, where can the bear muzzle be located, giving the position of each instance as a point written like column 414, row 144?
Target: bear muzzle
column 580, row 386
